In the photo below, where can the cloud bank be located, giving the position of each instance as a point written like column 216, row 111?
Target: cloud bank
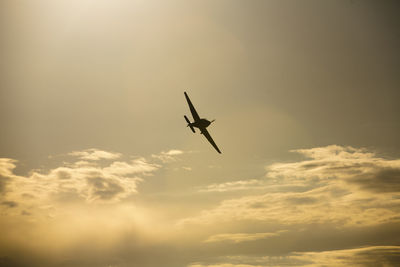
column 341, row 185
column 338, row 206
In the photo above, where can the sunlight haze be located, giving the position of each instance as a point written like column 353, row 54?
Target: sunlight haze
column 98, row 168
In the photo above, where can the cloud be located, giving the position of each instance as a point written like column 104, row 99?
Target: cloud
column 82, row 210
column 135, row 166
column 224, row 265
column 232, row 186
column 94, row 154
column 241, row 237
column 104, row 189
column 6, row 172
column 7, row 166
column 3, row 183
column 341, row 185
column 10, row 204
column 345, row 164
column 94, row 181
column 383, row 180
column 366, row 256
column 168, row 156
column 115, row 212
column 173, row 152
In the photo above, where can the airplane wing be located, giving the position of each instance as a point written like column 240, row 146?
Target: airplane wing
column 208, row 136
column 195, row 116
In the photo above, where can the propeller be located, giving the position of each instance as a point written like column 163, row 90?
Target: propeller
column 188, row 121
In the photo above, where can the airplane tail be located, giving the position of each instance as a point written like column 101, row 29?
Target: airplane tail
column 189, row 124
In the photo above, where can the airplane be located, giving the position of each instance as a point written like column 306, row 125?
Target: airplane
column 200, row 123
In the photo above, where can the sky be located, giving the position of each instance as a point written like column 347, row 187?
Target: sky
column 98, row 168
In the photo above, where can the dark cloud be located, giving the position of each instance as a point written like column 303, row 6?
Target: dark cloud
column 385, row 180
column 63, row 175
column 302, row 200
column 10, row 204
column 3, row 183
column 373, row 256
column 25, row 213
column 104, row 189
column 376, row 256
column 258, row 205
column 309, row 166
column 27, row 195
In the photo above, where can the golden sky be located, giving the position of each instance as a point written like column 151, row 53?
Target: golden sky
column 98, row 168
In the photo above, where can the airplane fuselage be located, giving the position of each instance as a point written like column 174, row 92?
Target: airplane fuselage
column 202, row 123
column 199, row 123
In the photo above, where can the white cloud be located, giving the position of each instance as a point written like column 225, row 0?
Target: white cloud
column 232, row 186
column 173, row 152
column 94, row 154
column 135, row 166
column 339, row 185
column 168, row 156
column 94, row 181
column 6, row 167
column 93, row 197
column 345, row 164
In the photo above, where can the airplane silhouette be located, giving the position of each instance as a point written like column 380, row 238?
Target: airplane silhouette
column 202, row 124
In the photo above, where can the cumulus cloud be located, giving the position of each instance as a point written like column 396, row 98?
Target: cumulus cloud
column 168, row 156
column 345, row 164
column 104, row 189
column 93, row 213
column 341, row 185
column 135, row 166
column 81, row 208
column 87, row 181
column 94, row 154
